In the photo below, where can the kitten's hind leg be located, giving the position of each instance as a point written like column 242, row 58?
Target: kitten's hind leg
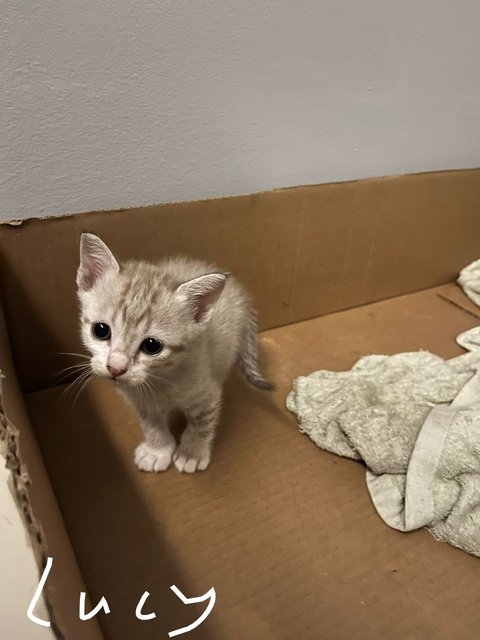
column 156, row 452
column 195, row 449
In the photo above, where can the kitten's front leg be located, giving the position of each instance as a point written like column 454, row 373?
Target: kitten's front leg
column 156, row 453
column 195, row 449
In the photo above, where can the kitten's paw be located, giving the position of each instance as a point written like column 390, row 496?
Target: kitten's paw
column 188, row 463
column 149, row 459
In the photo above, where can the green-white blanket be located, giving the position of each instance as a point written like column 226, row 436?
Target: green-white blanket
column 414, row 419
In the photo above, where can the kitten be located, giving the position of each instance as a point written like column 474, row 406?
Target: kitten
column 167, row 334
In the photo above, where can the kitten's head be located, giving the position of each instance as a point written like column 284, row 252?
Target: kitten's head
column 137, row 321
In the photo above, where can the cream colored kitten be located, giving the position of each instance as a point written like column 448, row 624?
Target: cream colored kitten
column 167, row 334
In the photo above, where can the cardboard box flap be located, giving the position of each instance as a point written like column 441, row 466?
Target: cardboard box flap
column 36, row 501
column 302, row 252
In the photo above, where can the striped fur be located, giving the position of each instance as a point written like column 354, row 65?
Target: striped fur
column 206, row 323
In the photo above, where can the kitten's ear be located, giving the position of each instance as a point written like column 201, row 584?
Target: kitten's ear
column 95, row 259
column 202, row 293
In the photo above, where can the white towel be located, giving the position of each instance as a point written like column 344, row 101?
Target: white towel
column 414, row 419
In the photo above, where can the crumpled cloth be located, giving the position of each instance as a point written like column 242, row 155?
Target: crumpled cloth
column 469, row 280
column 414, row 419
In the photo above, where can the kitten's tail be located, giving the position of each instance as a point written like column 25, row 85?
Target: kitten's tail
column 247, row 359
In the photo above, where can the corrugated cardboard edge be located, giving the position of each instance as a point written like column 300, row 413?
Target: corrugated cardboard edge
column 15, row 222
column 19, row 485
column 28, row 475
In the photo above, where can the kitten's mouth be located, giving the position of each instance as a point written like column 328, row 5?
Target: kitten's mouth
column 108, row 376
column 119, row 381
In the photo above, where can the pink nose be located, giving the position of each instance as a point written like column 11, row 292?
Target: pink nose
column 115, row 372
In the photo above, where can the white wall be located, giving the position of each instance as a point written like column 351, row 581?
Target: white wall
column 114, row 103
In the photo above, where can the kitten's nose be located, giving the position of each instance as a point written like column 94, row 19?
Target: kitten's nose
column 115, row 372
column 117, row 363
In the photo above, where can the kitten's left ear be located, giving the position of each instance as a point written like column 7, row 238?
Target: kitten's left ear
column 202, row 293
column 95, row 259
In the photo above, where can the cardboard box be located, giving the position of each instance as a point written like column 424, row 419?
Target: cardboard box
column 283, row 531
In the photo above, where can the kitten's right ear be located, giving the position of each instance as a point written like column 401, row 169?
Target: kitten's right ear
column 95, row 260
column 201, row 294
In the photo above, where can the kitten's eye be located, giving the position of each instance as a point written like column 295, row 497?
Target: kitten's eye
column 101, row 331
column 151, row 346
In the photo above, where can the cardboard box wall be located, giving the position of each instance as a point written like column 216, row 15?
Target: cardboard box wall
column 284, row 532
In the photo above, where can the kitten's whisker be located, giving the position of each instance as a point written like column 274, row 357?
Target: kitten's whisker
column 161, row 378
column 70, row 387
column 68, row 371
column 67, row 390
column 75, row 366
column 138, row 386
column 82, row 377
column 71, row 353
column 145, row 389
column 82, row 388
column 150, row 387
